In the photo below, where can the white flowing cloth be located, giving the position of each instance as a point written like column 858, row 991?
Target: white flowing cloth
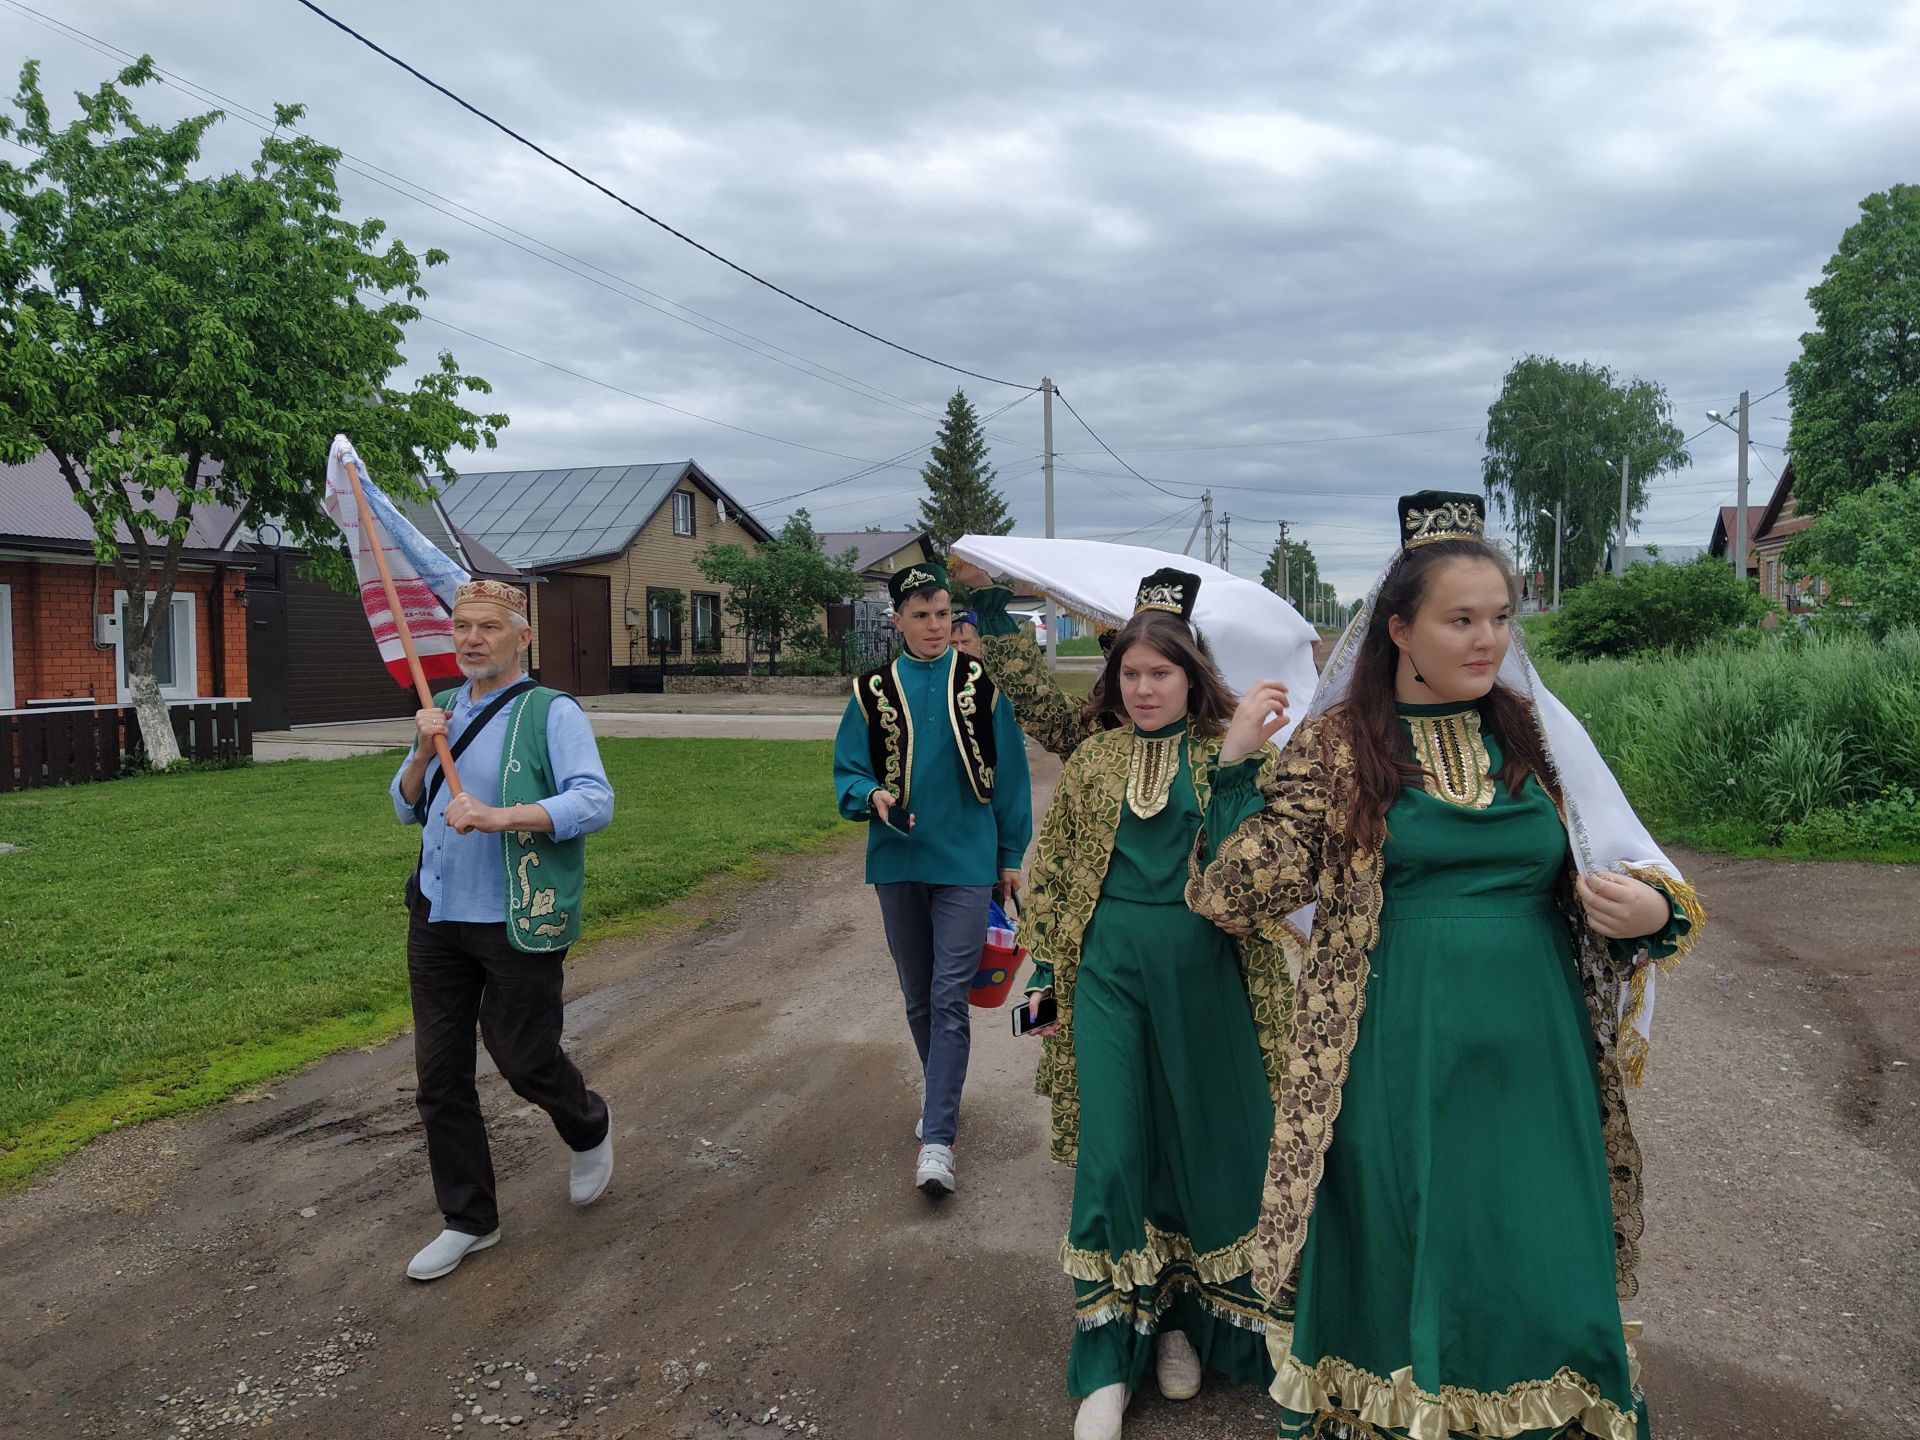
column 1253, row 633
column 1603, row 832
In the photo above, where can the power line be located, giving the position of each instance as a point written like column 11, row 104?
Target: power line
column 1103, row 444
column 413, row 190
column 621, row 200
column 1275, row 444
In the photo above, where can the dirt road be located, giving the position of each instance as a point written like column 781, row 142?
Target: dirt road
column 761, row 1265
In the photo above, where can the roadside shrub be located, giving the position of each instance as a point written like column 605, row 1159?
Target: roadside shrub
column 1652, row 608
column 1803, row 739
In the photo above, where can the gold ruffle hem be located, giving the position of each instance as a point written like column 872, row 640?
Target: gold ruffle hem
column 1335, row 1386
column 1139, row 1269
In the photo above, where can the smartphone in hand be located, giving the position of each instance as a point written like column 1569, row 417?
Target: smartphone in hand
column 898, row 818
column 1024, row 1021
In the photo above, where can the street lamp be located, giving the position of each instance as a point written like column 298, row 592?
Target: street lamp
column 1554, row 516
column 1740, row 499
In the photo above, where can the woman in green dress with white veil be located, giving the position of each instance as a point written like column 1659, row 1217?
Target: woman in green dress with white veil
column 1452, row 1202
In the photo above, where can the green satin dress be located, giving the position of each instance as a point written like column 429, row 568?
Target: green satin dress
column 1175, row 1119
column 1461, row 1243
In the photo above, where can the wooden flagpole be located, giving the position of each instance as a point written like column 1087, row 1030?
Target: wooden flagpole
column 372, row 531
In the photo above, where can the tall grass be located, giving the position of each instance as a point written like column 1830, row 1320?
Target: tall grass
column 1805, row 742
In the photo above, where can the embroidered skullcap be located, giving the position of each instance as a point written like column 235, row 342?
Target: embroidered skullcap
column 492, row 592
column 1171, row 590
column 1433, row 515
column 920, row 575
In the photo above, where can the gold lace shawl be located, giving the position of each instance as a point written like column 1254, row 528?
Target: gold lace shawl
column 1290, row 854
column 1076, row 844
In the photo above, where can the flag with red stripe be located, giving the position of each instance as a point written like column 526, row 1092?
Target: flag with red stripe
column 424, row 578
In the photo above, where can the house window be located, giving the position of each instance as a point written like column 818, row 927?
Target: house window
column 6, row 647
column 683, row 512
column 706, row 624
column 173, row 650
column 663, row 621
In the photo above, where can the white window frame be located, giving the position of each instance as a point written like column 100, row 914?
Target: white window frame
column 678, row 496
column 186, row 654
column 7, row 698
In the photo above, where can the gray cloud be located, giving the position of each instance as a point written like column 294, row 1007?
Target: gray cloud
column 1213, row 225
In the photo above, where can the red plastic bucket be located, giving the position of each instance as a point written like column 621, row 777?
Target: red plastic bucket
column 993, row 981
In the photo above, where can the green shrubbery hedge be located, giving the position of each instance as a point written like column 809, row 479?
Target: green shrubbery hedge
column 1805, row 741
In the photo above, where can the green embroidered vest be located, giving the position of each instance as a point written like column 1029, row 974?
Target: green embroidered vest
column 546, row 878
column 890, row 737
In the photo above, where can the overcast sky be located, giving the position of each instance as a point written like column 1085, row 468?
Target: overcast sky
column 1236, row 238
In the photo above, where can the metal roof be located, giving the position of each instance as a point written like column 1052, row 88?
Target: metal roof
column 37, row 505
column 542, row 519
column 873, row 545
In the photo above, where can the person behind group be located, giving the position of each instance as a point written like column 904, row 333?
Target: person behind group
column 493, row 906
column 966, row 634
column 1453, row 1198
column 929, row 753
column 1156, row 1067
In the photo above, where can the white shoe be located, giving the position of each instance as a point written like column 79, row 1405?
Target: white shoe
column 1176, row 1365
column 933, row 1175
column 592, row 1170
column 443, row 1254
column 920, row 1129
column 1100, row 1413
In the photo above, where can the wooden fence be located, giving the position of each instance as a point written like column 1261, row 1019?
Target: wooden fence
column 71, row 745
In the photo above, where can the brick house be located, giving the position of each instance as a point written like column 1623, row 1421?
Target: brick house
column 618, row 599
column 61, row 609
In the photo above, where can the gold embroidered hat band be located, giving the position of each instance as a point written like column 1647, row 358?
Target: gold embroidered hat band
column 920, row 575
column 1171, row 590
column 492, row 592
column 1434, row 515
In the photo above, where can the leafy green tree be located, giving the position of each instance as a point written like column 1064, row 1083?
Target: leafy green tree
column 1555, row 436
column 1652, row 608
column 1310, row 595
column 1856, row 386
column 961, row 498
column 1866, row 548
column 776, row 589
column 176, row 341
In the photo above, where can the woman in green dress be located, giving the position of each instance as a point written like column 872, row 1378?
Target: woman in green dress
column 1157, row 1067
column 1453, row 1199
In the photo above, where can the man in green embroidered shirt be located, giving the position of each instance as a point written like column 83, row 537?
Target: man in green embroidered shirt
column 930, row 754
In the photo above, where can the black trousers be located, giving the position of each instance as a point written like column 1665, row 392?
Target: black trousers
column 461, row 973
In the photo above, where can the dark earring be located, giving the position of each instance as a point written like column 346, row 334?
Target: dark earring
column 1418, row 678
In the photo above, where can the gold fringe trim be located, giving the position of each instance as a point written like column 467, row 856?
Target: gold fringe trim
column 1144, row 1314
column 1633, row 1049
column 1140, row 1269
column 1336, row 1386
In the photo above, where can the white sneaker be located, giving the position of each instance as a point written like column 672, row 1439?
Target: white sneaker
column 933, row 1175
column 443, row 1254
column 920, row 1129
column 1176, row 1365
column 591, row 1170
column 1100, row 1413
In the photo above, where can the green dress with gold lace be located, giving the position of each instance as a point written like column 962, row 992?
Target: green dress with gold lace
column 1458, row 1263
column 1175, row 1114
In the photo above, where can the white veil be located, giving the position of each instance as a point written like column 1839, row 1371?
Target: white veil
column 1603, row 832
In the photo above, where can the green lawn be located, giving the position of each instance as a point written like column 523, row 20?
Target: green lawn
column 173, row 939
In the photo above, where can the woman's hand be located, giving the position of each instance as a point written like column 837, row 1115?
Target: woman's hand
column 1034, row 997
column 968, row 573
column 1261, row 714
column 1621, row 907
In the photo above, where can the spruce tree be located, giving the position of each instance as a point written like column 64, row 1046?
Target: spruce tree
column 961, row 499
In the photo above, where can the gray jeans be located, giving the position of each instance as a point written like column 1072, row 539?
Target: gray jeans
column 935, row 933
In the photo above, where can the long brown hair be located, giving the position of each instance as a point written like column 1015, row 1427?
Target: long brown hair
column 1381, row 761
column 1210, row 703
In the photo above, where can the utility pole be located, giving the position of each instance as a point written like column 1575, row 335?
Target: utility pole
column 1620, row 546
column 1556, row 556
column 1046, row 466
column 1226, row 541
column 1740, row 502
column 1283, row 562
column 1204, row 521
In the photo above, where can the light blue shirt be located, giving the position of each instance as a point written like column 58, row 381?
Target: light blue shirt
column 464, row 877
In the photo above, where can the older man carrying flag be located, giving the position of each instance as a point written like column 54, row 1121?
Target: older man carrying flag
column 495, row 900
